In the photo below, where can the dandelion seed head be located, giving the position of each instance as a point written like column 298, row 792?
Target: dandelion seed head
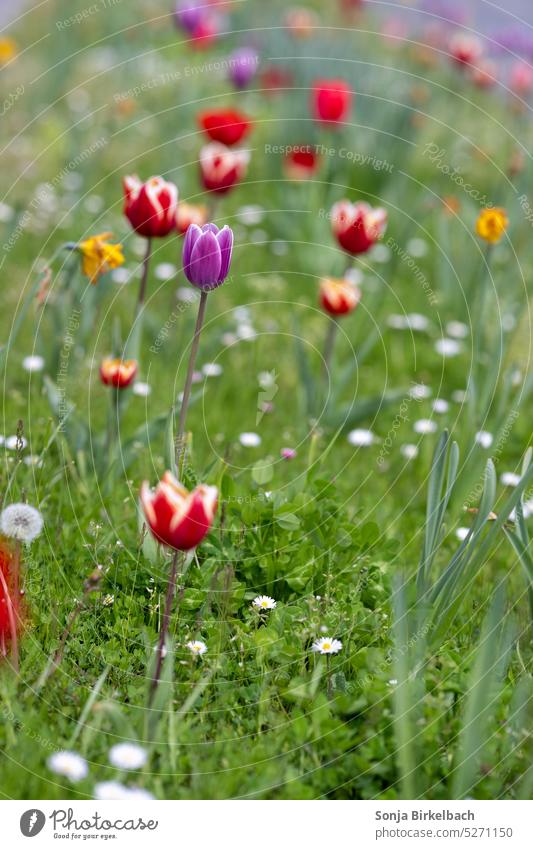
column 21, row 522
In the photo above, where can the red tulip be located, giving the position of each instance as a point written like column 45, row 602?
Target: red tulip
column 274, row 79
column 221, row 168
column 357, row 226
column 521, row 78
column 465, row 49
column 190, row 213
column 301, row 163
column 117, row 372
column 176, row 517
column 331, row 101
column 338, row 297
column 485, row 74
column 9, row 601
column 150, row 207
column 227, row 126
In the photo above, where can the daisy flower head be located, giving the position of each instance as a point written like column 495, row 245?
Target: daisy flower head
column 327, row 645
column 33, row 363
column 69, row 764
column 197, row 647
column 113, row 791
column 127, row 756
column 21, row 522
column 264, row 602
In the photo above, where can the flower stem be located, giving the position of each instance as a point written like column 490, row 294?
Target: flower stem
column 169, row 601
column 330, row 679
column 144, row 276
column 190, row 371
column 329, row 346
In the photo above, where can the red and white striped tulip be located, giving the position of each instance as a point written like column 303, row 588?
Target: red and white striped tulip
column 338, row 297
column 222, row 168
column 176, row 517
column 150, row 207
column 357, row 226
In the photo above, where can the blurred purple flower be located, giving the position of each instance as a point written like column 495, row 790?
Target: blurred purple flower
column 513, row 39
column 189, row 14
column 449, row 12
column 288, row 453
column 207, row 255
column 243, row 66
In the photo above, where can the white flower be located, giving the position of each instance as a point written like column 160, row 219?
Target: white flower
column 447, row 347
column 409, row 451
column 425, row 426
column 279, row 247
column 393, row 682
column 112, row 790
column 457, row 329
column 22, row 522
column 251, row 214
column 69, row 764
column 246, row 331
column 33, row 363
column 398, row 322
column 120, row 276
column 264, row 602
column 141, row 389
column 440, row 405
column 6, row 212
column 165, row 271
column 510, row 479
column 380, row 253
column 186, row 295
column 327, row 645
column 359, row 436
column 127, row 756
column 417, row 247
column 484, row 438
column 139, row 793
column 250, row 440
column 12, row 443
column 459, row 396
column 462, row 533
column 419, row 391
column 211, row 369
column 108, row 600
column 197, row 647
column 416, row 321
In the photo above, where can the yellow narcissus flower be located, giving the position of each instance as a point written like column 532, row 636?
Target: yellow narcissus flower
column 99, row 256
column 8, row 50
column 492, row 224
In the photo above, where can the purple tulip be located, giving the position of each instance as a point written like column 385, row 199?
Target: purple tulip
column 243, row 66
column 207, row 255
column 189, row 14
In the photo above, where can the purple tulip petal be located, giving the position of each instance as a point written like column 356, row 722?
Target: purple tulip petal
column 191, row 237
column 212, row 228
column 206, row 259
column 225, row 241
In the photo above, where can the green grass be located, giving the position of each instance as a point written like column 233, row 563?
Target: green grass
column 336, row 535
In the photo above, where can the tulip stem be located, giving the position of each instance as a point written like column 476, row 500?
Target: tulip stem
column 190, row 371
column 329, row 347
column 169, row 601
column 144, row 275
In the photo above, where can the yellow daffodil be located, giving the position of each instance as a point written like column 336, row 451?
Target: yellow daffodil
column 492, row 224
column 99, row 256
column 8, row 50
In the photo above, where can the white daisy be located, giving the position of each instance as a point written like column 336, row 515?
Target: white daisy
column 398, row 322
column 409, row 451
column 419, row 391
column 447, row 347
column 127, row 756
column 459, row 396
column 21, row 521
column 327, row 645
column 13, row 442
column 228, row 339
column 510, row 479
column 425, row 426
column 251, row 214
column 33, row 363
column 212, row 369
column 165, row 271
column 121, row 275
column 139, row 793
column 6, row 212
column 264, row 602
column 250, row 440
column 484, row 438
column 141, row 389
column 416, row 321
column 111, row 790
column 380, row 253
column 359, row 436
column 187, row 296
column 246, row 331
column 457, row 329
column 417, row 247
column 69, row 764
column 197, row 647
column 440, row 405
column 462, row 533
